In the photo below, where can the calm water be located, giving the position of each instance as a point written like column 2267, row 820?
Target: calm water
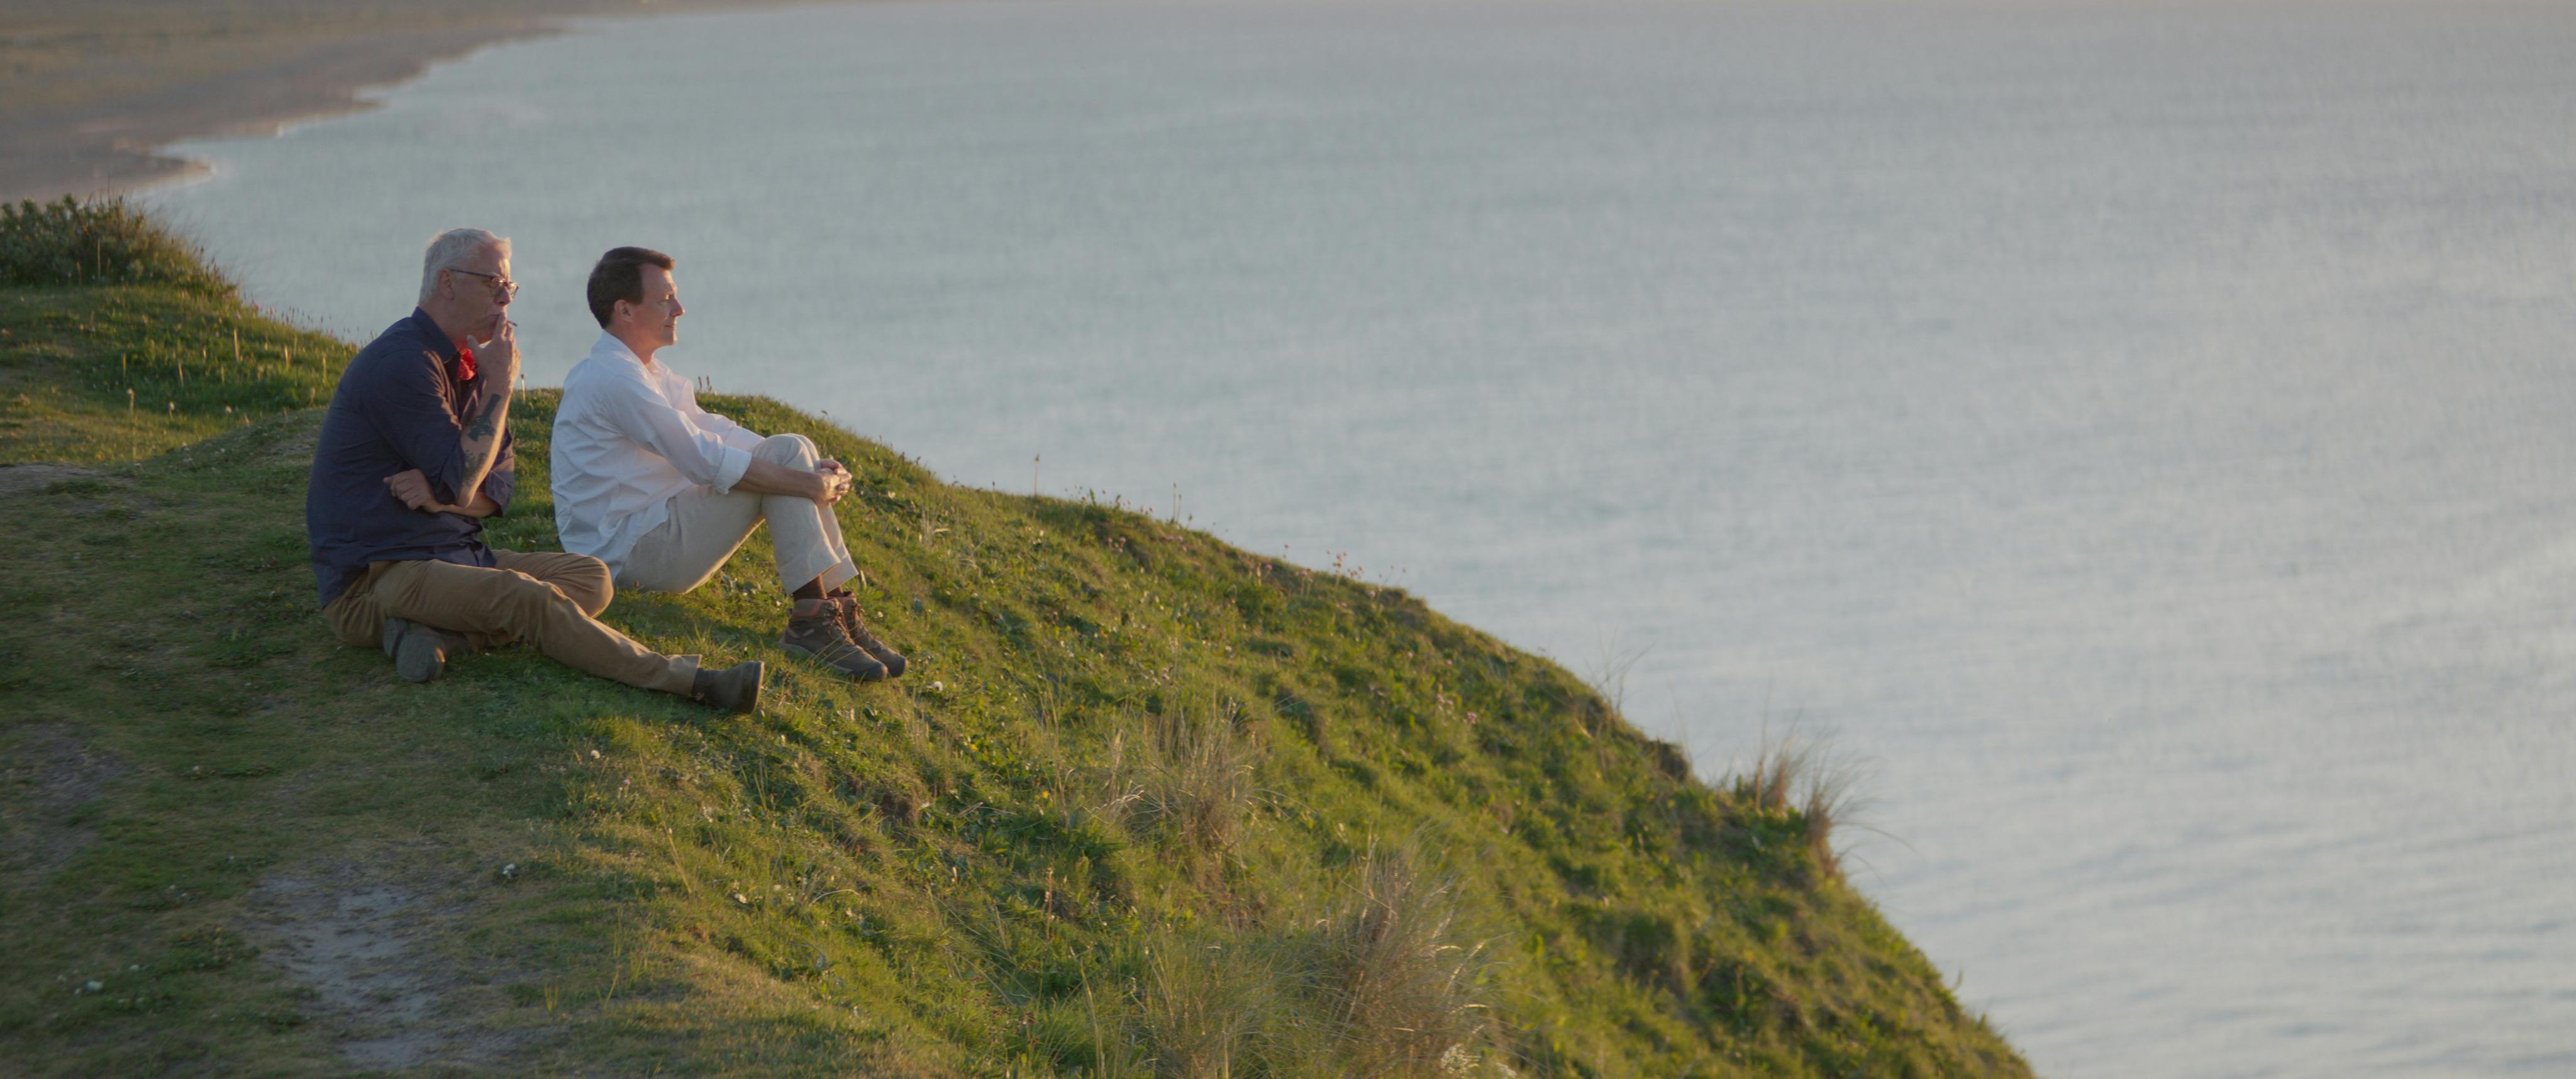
column 2144, row 432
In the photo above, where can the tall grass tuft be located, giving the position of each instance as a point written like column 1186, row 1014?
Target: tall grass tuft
column 105, row 242
column 1205, row 1004
column 1805, row 778
column 1196, row 781
column 1113, row 1054
column 1405, row 981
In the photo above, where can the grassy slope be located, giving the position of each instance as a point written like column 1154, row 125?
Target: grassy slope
column 1146, row 801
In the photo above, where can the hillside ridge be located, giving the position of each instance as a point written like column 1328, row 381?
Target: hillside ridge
column 1146, row 804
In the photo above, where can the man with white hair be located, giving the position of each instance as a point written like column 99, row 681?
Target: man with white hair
column 414, row 454
column 665, row 491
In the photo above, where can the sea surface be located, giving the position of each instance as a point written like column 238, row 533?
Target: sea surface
column 2144, row 433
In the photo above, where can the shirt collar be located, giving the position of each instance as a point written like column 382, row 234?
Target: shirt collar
column 428, row 330
column 609, row 345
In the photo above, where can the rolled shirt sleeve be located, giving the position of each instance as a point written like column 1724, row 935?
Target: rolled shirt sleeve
column 410, row 409
column 502, row 482
column 736, row 462
column 701, row 454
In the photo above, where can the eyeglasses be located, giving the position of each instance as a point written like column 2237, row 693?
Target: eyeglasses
column 503, row 289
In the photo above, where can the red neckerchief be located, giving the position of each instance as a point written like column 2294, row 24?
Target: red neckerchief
column 464, row 364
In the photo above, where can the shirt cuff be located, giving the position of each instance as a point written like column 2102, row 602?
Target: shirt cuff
column 730, row 467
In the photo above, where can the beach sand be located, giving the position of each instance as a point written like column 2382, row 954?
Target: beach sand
column 90, row 91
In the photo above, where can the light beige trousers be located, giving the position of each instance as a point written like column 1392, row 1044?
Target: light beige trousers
column 547, row 599
column 705, row 529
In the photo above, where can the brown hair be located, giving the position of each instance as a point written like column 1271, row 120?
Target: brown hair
column 620, row 276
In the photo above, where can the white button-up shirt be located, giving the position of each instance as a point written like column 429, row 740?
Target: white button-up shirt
column 628, row 436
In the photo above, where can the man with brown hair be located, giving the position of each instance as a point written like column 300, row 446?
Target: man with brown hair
column 413, row 455
column 664, row 491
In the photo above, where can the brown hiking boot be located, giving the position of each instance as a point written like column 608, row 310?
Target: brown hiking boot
column 420, row 653
column 819, row 637
column 734, row 689
column 847, row 607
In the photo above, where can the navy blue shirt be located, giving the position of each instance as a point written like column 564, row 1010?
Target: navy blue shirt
column 399, row 406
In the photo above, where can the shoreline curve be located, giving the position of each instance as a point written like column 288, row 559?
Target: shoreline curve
column 119, row 147
column 91, row 99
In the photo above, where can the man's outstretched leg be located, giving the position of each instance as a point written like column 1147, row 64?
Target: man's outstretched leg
column 494, row 606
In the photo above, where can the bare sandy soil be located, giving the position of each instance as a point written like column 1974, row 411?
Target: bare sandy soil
column 366, row 942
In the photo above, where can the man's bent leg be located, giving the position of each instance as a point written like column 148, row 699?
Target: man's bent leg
column 504, row 604
column 419, row 651
column 354, row 615
column 700, row 533
column 810, row 549
column 806, row 537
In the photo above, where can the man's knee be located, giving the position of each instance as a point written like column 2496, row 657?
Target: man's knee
column 354, row 623
column 795, row 450
column 587, row 583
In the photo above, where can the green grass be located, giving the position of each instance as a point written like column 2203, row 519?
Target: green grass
column 69, row 242
column 1146, row 804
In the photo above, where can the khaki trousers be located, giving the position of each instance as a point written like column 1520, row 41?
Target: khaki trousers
column 705, row 529
column 547, row 600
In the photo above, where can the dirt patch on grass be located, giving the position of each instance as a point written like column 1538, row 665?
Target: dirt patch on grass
column 37, row 477
column 366, row 945
column 48, row 775
column 296, row 447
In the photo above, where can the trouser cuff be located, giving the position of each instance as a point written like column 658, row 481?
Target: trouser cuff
column 681, row 677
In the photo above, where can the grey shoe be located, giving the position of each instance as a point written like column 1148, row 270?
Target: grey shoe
column 419, row 652
column 734, row 689
column 846, row 606
column 819, row 637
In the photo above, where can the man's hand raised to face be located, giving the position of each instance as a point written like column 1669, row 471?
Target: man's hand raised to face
column 497, row 360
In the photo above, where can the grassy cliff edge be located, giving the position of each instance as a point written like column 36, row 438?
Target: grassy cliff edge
column 1146, row 804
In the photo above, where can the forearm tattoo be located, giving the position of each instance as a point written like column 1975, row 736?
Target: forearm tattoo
column 487, row 417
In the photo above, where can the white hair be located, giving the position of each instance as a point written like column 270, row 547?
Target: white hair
column 450, row 249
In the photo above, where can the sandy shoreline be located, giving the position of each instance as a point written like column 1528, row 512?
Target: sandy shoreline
column 115, row 146
column 90, row 95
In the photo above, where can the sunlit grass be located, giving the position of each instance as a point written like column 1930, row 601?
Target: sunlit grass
column 1146, row 804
